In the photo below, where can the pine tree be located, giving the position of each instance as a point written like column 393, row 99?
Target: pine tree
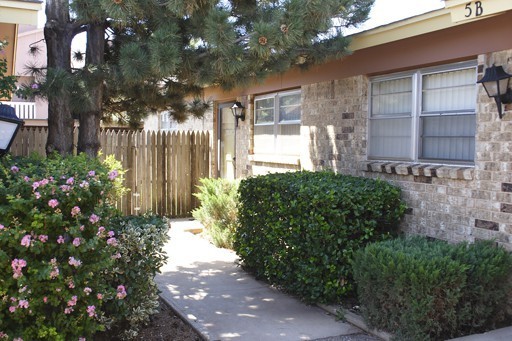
column 152, row 55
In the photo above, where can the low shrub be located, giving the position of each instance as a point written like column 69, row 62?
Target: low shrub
column 140, row 246
column 217, row 211
column 299, row 230
column 432, row 290
column 56, row 247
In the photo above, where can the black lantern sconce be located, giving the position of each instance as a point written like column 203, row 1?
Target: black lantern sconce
column 9, row 125
column 496, row 84
column 238, row 111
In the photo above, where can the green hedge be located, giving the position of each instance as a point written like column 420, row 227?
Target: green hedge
column 432, row 290
column 299, row 230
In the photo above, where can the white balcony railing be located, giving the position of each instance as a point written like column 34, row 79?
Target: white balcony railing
column 24, row 110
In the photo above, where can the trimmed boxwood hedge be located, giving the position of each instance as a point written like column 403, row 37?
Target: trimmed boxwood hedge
column 299, row 230
column 421, row 289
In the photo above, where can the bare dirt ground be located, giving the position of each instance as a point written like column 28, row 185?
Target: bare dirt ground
column 166, row 325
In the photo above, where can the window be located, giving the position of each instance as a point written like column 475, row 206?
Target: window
column 424, row 115
column 277, row 123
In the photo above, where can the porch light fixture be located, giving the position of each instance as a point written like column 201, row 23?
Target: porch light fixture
column 9, row 125
column 238, row 111
column 496, row 84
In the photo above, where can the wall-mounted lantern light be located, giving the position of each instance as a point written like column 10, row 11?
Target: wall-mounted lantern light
column 238, row 111
column 496, row 84
column 9, row 125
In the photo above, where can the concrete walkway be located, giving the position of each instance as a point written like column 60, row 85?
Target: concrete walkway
column 206, row 287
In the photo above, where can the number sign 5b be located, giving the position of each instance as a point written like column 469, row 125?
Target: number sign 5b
column 462, row 10
column 474, row 9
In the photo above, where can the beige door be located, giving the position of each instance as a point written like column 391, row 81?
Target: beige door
column 227, row 143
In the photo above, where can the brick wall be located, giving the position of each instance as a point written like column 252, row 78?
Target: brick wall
column 453, row 203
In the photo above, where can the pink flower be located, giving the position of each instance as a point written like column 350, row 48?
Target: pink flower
column 70, row 181
column 87, row 290
column 74, row 262
column 17, row 267
column 43, row 238
column 60, row 240
column 94, row 218
column 15, row 169
column 72, row 301
column 112, row 241
column 34, row 86
column 113, row 174
column 25, row 241
column 37, row 195
column 76, row 242
column 68, row 310
column 45, row 299
column 12, row 309
column 82, row 227
column 53, row 203
column 54, row 273
column 116, row 256
column 65, row 188
column 82, row 339
column 2, row 227
column 111, row 233
column 121, row 292
column 101, row 229
column 75, row 211
column 99, row 296
column 23, row 304
column 35, row 185
column 91, row 310
column 92, row 173
column 84, row 184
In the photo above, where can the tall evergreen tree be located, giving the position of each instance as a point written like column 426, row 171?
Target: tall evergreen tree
column 152, row 55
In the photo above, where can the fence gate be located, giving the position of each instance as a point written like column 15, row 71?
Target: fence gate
column 162, row 168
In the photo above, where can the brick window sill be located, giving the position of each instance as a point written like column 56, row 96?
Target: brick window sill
column 278, row 159
column 420, row 169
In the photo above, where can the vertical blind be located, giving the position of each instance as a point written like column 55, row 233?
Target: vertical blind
column 446, row 124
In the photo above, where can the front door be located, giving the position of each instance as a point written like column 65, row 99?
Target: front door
column 227, row 142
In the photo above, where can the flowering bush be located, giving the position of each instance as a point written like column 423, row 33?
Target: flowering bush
column 56, row 249
column 140, row 244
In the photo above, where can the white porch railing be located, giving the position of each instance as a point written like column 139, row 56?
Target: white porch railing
column 24, row 110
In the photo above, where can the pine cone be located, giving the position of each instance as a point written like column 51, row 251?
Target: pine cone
column 262, row 40
column 284, row 28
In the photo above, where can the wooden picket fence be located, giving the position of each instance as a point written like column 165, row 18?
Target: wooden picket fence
column 162, row 168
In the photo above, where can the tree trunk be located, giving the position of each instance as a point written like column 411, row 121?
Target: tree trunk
column 89, row 132
column 58, row 38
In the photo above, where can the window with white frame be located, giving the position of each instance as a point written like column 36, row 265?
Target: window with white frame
column 277, row 123
column 424, row 115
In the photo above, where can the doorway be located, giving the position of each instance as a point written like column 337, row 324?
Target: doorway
column 227, row 150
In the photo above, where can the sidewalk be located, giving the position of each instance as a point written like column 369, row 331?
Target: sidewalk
column 205, row 286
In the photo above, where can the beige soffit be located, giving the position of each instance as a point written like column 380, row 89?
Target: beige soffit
column 456, row 12
column 20, row 12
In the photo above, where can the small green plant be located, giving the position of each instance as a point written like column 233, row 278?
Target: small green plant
column 218, row 210
column 56, row 247
column 431, row 290
column 300, row 230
